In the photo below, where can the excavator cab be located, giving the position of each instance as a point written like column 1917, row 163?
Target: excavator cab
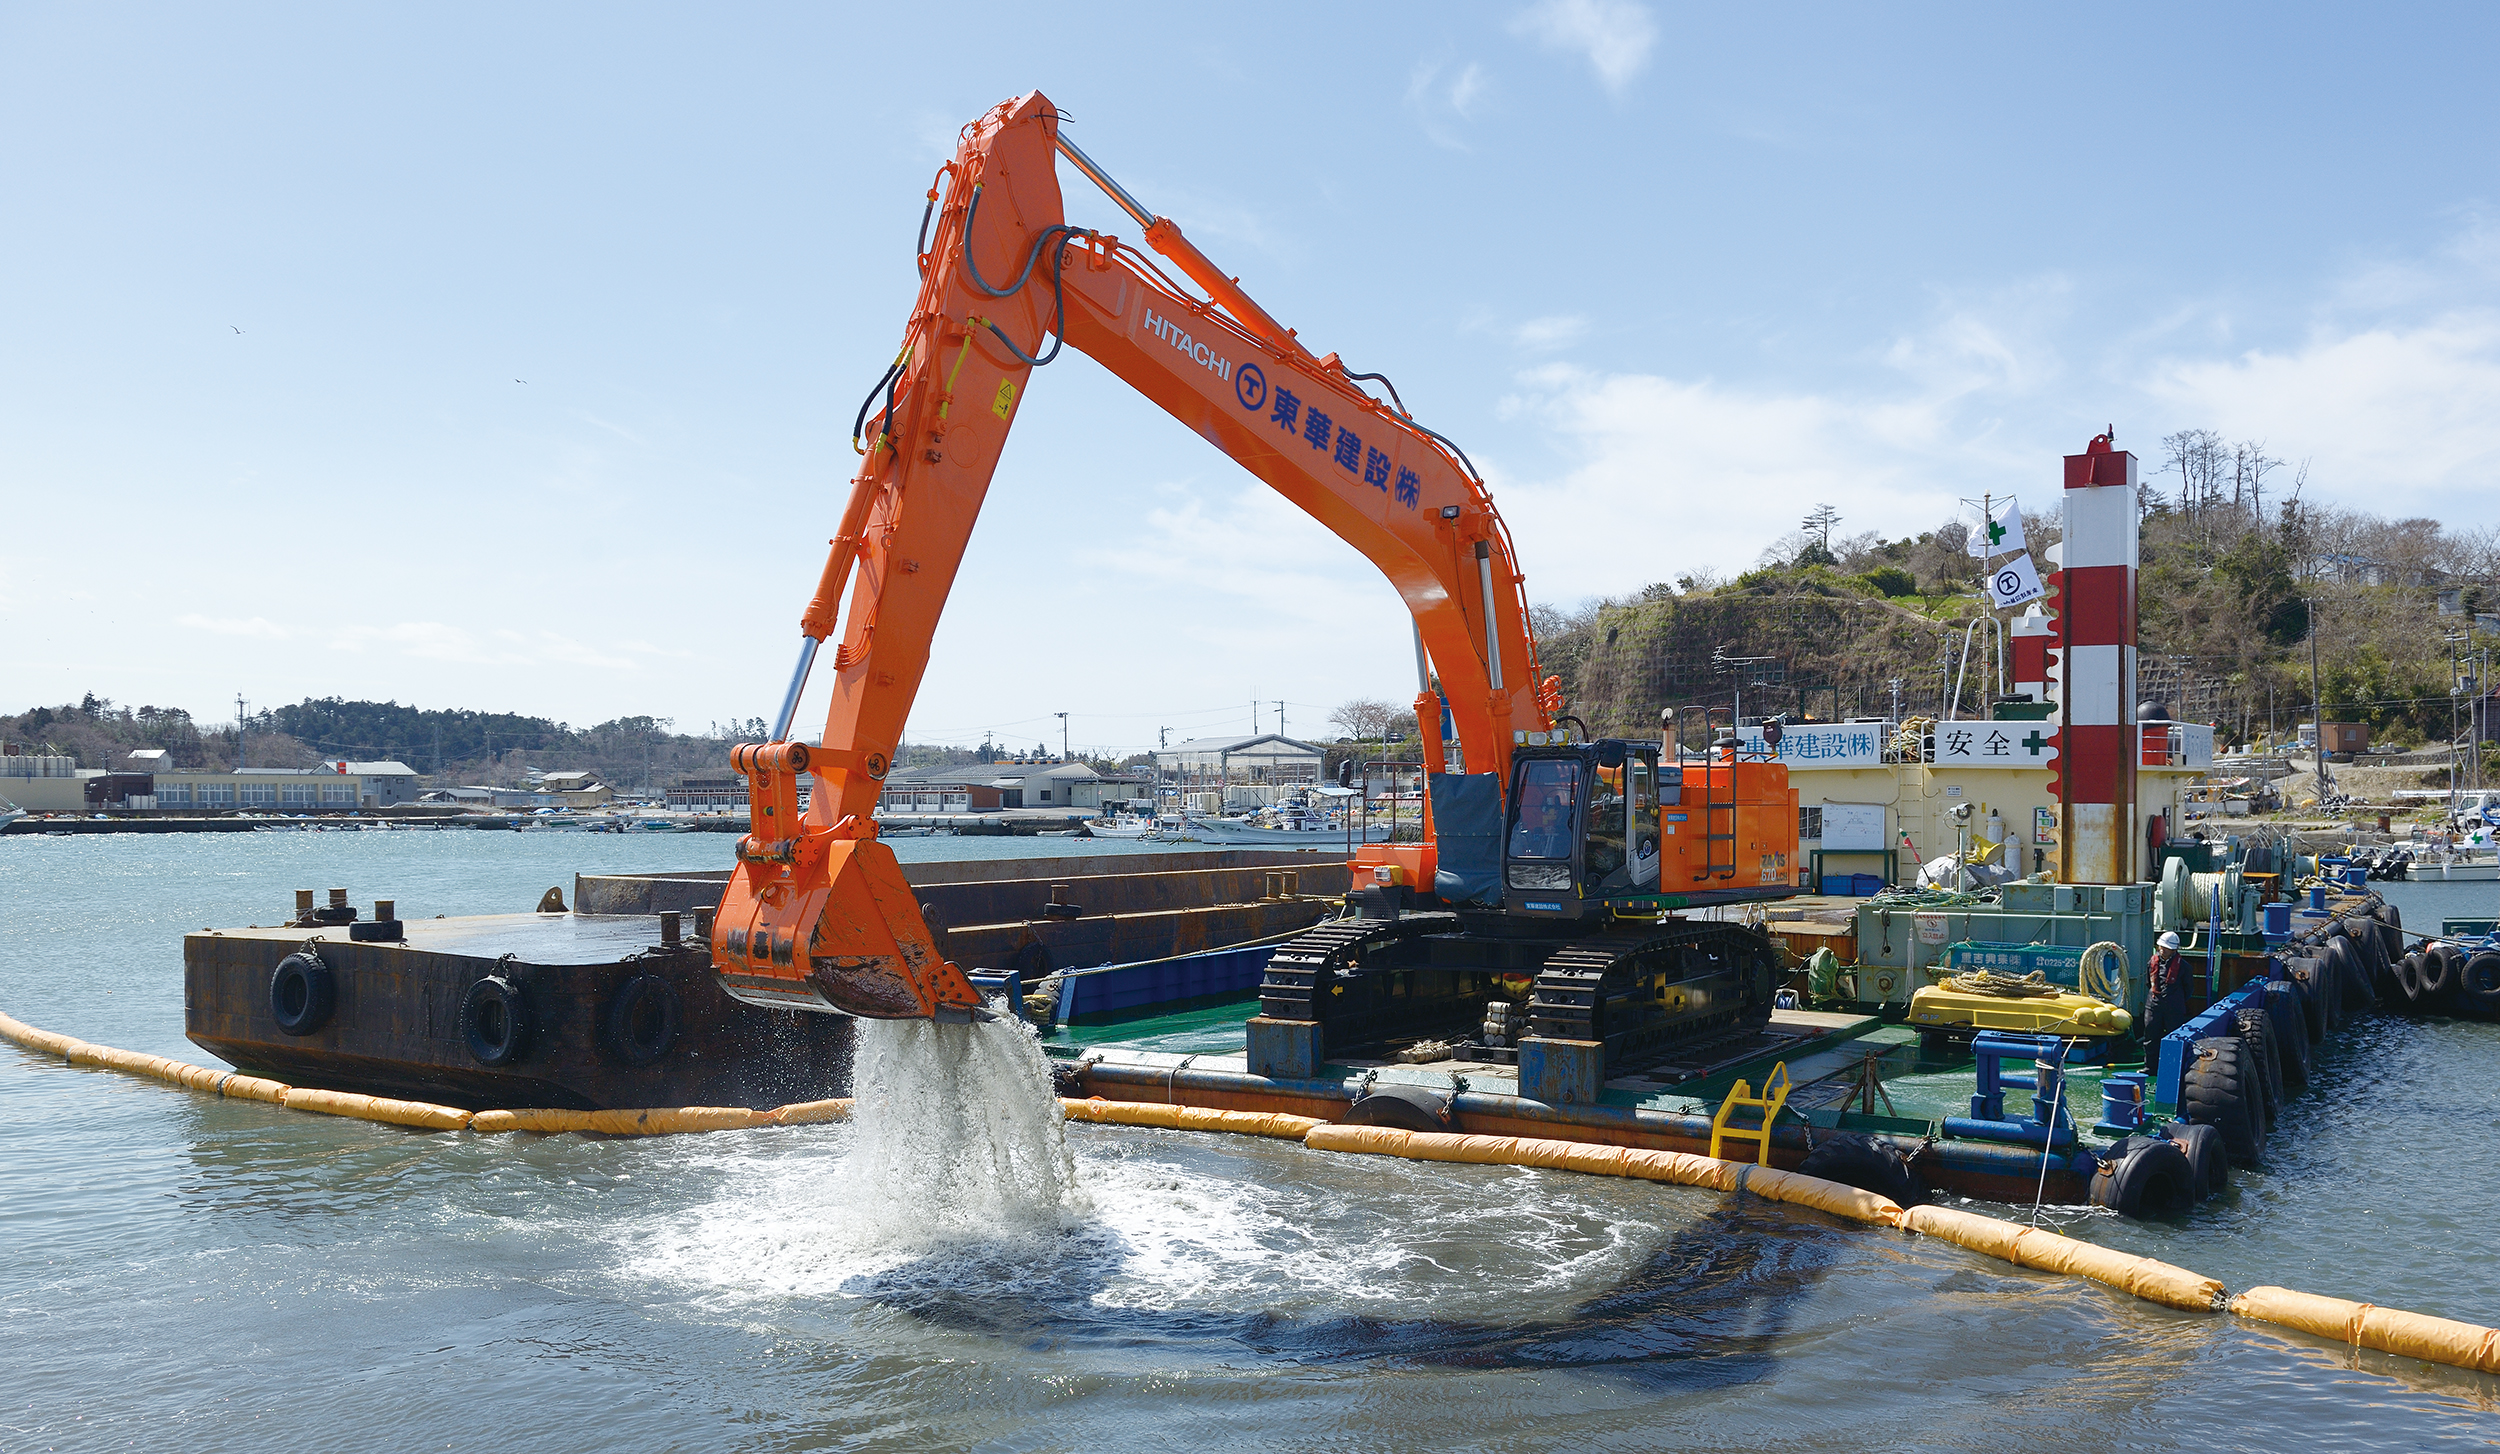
column 1582, row 838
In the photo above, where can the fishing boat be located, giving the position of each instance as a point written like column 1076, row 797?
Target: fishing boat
column 1139, row 826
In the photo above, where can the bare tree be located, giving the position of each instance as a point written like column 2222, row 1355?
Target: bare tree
column 1363, row 719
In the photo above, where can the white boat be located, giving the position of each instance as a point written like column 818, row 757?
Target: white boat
column 1141, row 827
column 10, row 812
column 1294, row 831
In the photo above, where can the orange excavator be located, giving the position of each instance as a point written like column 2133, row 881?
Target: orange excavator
column 1548, row 868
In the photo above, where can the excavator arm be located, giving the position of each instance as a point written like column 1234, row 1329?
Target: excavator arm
column 817, row 914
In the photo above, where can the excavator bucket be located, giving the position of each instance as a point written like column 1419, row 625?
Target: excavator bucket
column 819, row 921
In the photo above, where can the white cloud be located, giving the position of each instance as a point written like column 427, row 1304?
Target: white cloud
column 230, row 626
column 1440, row 96
column 1663, row 475
column 1615, row 35
column 1558, row 331
column 2402, row 420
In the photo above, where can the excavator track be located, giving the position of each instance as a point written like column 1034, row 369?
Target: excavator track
column 1637, row 994
column 1299, row 970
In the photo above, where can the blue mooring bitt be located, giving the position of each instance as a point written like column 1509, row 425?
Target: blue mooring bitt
column 2049, row 1123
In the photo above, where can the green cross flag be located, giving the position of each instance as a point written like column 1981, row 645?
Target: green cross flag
column 2000, row 530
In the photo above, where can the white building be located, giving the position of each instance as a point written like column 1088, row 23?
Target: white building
column 1239, row 771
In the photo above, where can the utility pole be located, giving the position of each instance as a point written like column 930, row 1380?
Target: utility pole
column 1896, row 699
column 2317, row 708
column 1254, row 717
column 239, row 759
column 1163, row 737
column 1063, row 735
column 1280, row 716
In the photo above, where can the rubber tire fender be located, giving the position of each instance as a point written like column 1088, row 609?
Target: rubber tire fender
column 495, row 1021
column 302, row 993
column 2148, row 1177
column 642, row 1019
column 2256, row 1037
column 2202, row 1145
column 1407, row 1107
column 2373, row 952
column 2438, row 973
column 2290, row 1035
column 2409, row 978
column 2346, row 966
column 2391, row 928
column 1855, row 1160
column 2478, row 983
column 2214, row 1091
column 2317, row 999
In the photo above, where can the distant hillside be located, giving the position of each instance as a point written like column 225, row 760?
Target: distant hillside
column 2229, row 567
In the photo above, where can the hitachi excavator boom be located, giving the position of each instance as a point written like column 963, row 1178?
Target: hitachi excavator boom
column 817, row 914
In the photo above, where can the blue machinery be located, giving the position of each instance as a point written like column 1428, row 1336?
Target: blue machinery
column 2049, row 1123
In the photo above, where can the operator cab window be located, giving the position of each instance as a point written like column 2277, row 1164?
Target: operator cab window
column 1548, row 803
column 1608, row 818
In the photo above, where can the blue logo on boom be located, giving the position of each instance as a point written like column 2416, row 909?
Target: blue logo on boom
column 1250, row 387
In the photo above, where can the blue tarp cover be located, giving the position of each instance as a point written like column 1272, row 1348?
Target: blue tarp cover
column 1467, row 826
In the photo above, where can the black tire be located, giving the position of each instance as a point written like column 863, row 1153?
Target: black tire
column 302, row 993
column 2317, row 1000
column 1406, row 1107
column 2391, row 928
column 495, row 1021
column 2376, row 966
column 2291, row 1034
column 642, row 1019
column 2214, row 1091
column 2146, row 1176
column 1032, row 963
column 2478, row 983
column 2408, row 978
column 2439, row 975
column 2257, row 1037
column 2206, row 1158
column 1855, row 1160
column 2350, row 971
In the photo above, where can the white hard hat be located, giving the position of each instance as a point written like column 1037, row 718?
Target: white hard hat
column 2169, row 941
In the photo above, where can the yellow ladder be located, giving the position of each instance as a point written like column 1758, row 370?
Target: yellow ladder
column 1774, row 1095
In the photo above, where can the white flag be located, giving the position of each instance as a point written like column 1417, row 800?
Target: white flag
column 1997, row 535
column 2013, row 583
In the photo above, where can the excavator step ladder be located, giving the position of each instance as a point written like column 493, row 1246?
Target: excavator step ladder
column 1740, row 1097
column 1712, row 805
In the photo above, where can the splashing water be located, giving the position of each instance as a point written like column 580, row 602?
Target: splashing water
column 958, row 1131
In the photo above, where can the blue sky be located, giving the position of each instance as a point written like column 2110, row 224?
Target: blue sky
column 1673, row 275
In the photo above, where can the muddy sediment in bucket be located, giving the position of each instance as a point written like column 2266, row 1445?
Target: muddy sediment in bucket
column 958, row 1130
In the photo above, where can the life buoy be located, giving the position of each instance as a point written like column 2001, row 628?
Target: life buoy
column 642, row 1018
column 302, row 993
column 495, row 1021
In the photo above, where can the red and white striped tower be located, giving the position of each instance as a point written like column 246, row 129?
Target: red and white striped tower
column 2033, row 635
column 2094, row 774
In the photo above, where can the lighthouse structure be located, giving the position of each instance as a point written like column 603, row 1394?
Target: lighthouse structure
column 2092, row 659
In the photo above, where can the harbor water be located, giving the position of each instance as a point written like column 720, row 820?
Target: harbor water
column 184, row 1272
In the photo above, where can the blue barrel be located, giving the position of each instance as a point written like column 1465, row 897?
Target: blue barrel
column 2122, row 1099
column 2278, row 921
